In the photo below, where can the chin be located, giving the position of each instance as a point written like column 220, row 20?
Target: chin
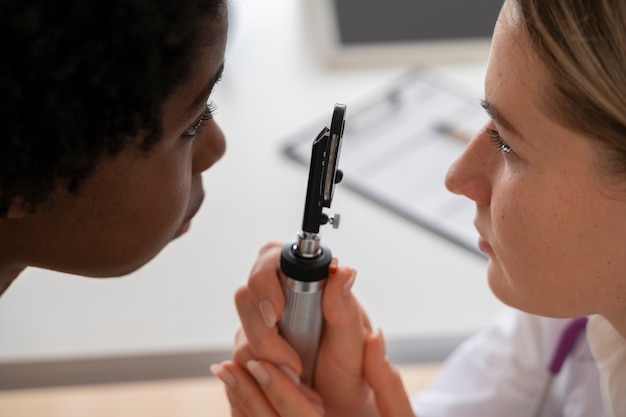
column 501, row 286
column 528, row 301
column 119, row 271
column 113, row 268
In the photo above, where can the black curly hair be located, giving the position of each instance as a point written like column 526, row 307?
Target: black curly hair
column 80, row 77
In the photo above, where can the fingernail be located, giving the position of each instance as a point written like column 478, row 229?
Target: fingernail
column 381, row 342
column 334, row 265
column 258, row 372
column 347, row 287
column 290, row 373
column 220, row 371
column 240, row 339
column 268, row 313
column 318, row 407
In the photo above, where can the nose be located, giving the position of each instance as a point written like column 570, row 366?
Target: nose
column 210, row 147
column 469, row 175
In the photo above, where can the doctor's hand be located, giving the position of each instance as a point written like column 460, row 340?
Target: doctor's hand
column 340, row 387
column 264, row 389
column 391, row 397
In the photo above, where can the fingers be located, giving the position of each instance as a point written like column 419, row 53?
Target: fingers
column 244, row 395
column 259, row 305
column 347, row 324
column 261, row 389
column 344, row 331
column 258, row 340
column 391, row 397
column 264, row 285
column 339, row 367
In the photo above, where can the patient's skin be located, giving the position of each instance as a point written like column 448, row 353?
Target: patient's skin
column 134, row 203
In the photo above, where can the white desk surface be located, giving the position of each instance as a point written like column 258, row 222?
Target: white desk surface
column 412, row 283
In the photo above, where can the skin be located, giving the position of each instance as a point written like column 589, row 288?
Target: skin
column 339, row 377
column 551, row 219
column 135, row 203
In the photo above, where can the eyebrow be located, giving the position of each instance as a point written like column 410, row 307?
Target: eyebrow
column 497, row 116
column 203, row 97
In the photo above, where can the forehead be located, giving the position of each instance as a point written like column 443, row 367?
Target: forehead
column 204, row 66
column 513, row 67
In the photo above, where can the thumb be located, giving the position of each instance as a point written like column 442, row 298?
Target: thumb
column 345, row 325
column 384, row 379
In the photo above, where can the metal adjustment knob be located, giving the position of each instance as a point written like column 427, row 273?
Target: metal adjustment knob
column 335, row 220
column 338, row 176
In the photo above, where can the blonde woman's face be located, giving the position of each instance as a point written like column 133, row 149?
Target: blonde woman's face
column 552, row 225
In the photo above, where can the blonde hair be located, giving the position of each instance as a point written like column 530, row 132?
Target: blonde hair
column 583, row 45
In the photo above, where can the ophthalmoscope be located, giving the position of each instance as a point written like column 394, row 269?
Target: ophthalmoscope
column 304, row 263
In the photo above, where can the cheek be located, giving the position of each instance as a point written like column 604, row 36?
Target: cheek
column 531, row 236
column 157, row 207
column 144, row 215
column 520, row 229
column 559, row 251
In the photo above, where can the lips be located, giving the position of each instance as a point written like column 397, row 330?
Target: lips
column 186, row 224
column 484, row 246
column 182, row 229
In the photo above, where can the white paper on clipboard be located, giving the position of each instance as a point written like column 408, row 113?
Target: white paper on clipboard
column 396, row 151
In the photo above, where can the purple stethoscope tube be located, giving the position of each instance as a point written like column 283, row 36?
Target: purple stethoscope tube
column 567, row 341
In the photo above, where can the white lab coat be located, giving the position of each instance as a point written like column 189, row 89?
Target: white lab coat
column 500, row 371
column 609, row 350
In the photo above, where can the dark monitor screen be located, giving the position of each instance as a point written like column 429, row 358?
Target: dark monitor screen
column 392, row 21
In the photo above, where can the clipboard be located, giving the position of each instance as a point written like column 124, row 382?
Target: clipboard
column 397, row 149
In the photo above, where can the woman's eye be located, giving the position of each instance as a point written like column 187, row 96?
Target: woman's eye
column 196, row 128
column 498, row 142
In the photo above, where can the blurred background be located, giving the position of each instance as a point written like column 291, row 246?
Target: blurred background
column 286, row 67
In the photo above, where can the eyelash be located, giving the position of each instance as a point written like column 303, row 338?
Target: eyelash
column 498, row 142
column 195, row 130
